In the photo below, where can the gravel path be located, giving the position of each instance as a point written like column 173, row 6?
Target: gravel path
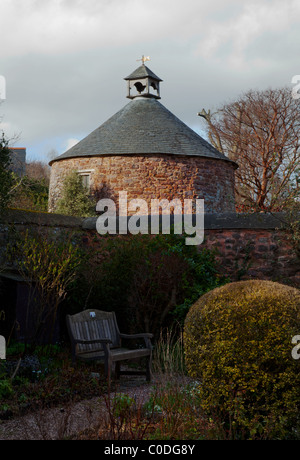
column 57, row 423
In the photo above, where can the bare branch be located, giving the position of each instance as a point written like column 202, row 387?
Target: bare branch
column 261, row 132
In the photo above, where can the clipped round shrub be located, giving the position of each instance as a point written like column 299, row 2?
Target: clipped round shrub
column 238, row 345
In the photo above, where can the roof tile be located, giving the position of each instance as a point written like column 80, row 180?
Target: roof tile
column 143, row 126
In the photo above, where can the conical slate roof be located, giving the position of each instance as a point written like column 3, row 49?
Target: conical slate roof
column 144, row 126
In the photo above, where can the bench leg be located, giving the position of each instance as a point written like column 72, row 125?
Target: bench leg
column 108, row 368
column 148, row 369
column 117, row 369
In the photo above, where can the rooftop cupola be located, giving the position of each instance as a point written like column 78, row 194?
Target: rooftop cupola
column 143, row 82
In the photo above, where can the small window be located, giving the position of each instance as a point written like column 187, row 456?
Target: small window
column 85, row 180
column 85, row 175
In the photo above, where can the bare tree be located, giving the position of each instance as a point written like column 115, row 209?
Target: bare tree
column 261, row 132
column 38, row 170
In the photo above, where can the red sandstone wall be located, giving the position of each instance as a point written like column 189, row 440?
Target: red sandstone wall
column 255, row 254
column 152, row 177
column 244, row 253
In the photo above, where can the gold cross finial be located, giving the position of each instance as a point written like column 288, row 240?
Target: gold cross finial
column 144, row 59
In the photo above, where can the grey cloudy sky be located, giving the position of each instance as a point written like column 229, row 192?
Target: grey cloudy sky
column 64, row 60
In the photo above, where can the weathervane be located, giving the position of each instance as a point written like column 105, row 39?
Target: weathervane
column 144, row 59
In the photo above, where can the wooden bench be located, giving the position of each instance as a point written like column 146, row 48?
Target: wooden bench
column 95, row 335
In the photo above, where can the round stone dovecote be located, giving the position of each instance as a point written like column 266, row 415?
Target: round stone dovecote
column 149, row 153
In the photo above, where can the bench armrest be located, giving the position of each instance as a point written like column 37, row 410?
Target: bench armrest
column 146, row 336
column 87, row 342
column 137, row 336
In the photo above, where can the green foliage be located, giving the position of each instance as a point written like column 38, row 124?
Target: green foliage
column 6, row 389
column 238, row 345
column 20, row 192
column 30, row 194
column 177, row 413
column 75, row 200
column 204, row 276
column 44, row 380
column 291, row 225
column 15, row 348
column 122, row 404
column 6, row 179
column 149, row 281
column 49, row 266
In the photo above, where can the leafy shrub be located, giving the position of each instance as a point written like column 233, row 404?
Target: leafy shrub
column 149, row 281
column 204, row 276
column 140, row 278
column 238, row 345
column 75, row 200
column 6, row 389
column 176, row 413
column 6, row 180
column 122, row 405
column 31, row 194
column 291, row 226
column 49, row 266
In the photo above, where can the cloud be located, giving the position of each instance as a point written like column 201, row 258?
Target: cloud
column 70, row 26
column 64, row 60
column 240, row 31
column 70, row 143
column 11, row 132
column 57, row 27
column 60, row 26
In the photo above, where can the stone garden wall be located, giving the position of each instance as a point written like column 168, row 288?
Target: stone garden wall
column 253, row 246
column 248, row 245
